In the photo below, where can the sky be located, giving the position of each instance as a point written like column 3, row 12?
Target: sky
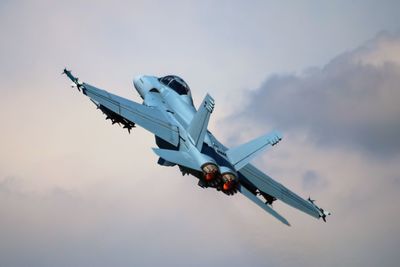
column 77, row 191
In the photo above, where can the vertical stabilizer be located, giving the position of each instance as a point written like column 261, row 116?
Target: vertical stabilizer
column 240, row 156
column 198, row 126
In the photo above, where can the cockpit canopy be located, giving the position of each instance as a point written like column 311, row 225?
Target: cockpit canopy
column 176, row 83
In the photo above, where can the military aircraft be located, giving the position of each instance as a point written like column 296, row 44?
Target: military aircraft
column 183, row 140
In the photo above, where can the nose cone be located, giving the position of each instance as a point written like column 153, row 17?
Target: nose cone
column 136, row 81
column 139, row 85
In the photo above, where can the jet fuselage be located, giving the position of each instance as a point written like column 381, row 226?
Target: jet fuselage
column 179, row 105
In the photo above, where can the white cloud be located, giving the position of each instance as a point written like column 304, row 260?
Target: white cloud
column 342, row 104
column 340, row 124
column 384, row 49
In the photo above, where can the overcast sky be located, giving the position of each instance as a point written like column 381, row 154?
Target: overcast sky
column 77, row 191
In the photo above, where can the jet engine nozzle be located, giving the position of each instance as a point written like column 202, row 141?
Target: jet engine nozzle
column 230, row 181
column 211, row 171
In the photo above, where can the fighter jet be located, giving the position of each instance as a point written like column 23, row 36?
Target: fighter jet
column 183, row 140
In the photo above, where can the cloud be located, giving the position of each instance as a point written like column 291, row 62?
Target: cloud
column 312, row 181
column 115, row 223
column 90, row 194
column 341, row 126
column 350, row 102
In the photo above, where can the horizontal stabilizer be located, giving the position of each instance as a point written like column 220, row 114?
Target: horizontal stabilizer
column 198, row 126
column 240, row 156
column 264, row 206
column 177, row 157
column 164, row 162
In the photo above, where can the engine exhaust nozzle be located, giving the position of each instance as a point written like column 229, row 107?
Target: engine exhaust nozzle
column 211, row 171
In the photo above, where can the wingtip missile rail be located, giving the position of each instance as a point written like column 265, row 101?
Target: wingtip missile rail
column 323, row 213
column 74, row 79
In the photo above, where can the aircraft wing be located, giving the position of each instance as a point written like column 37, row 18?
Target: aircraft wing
column 261, row 204
column 152, row 119
column 266, row 184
